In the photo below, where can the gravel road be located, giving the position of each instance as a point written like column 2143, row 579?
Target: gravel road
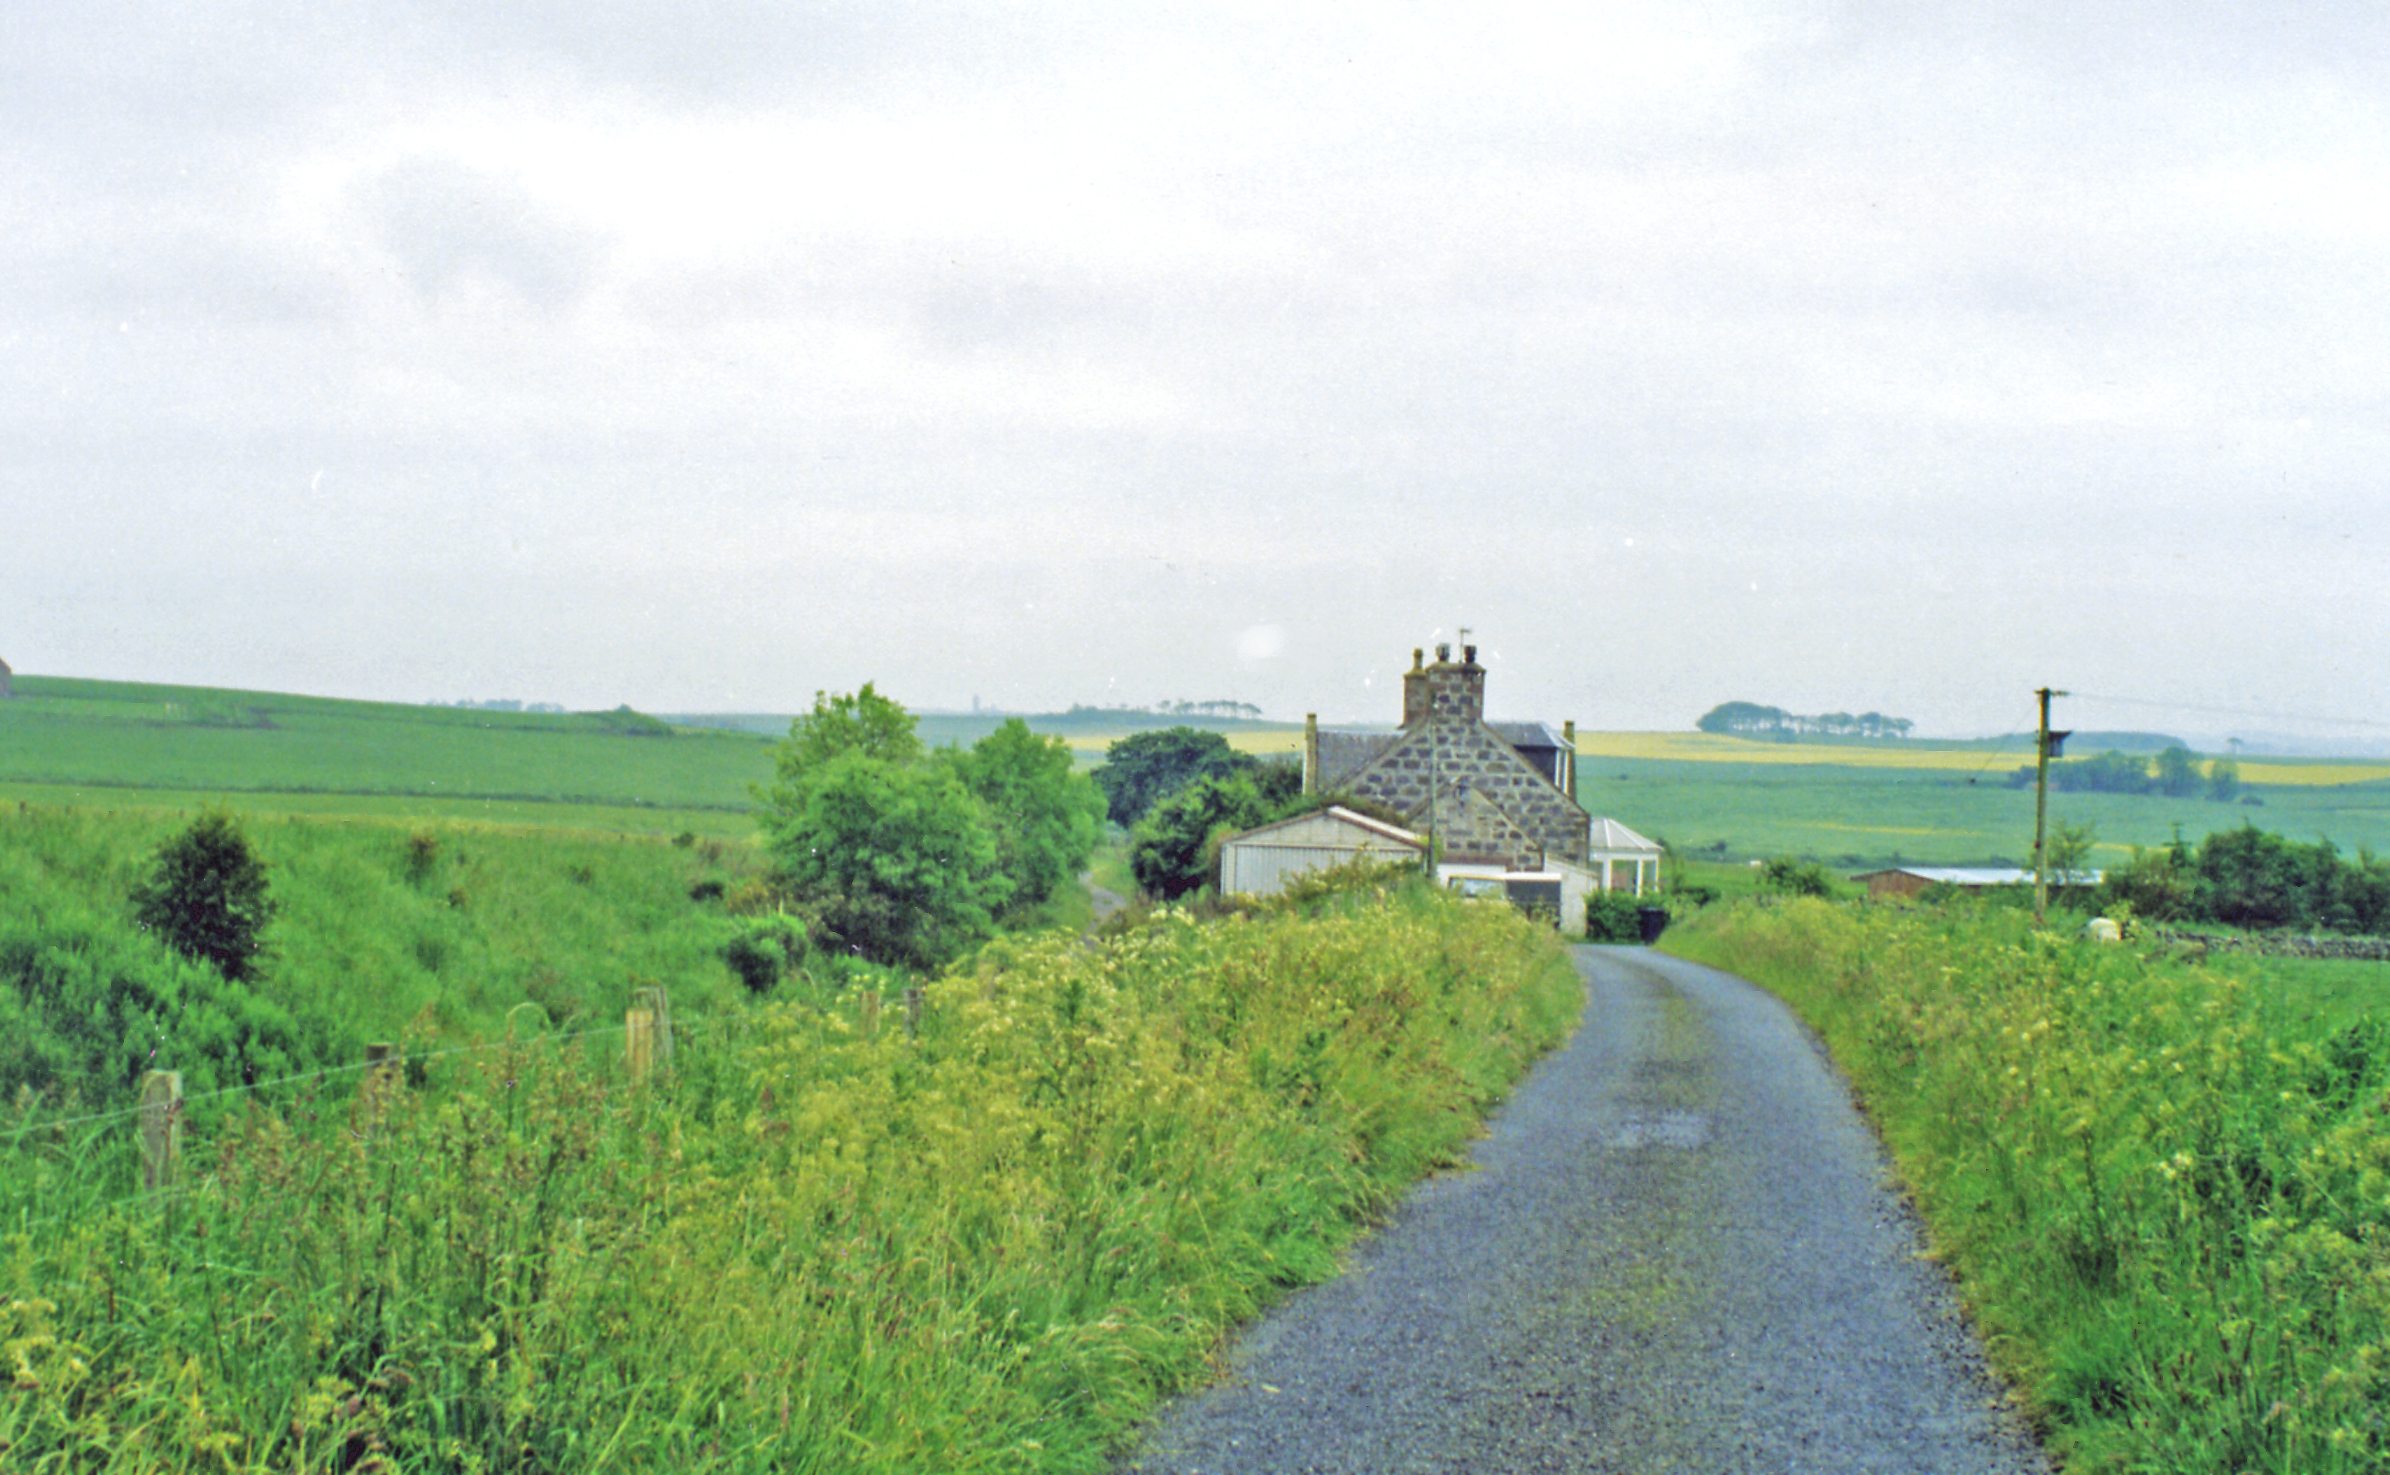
column 1675, row 1253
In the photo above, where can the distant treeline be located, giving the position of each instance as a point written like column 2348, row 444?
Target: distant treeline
column 1750, row 719
column 1221, row 708
column 2175, row 773
column 501, row 704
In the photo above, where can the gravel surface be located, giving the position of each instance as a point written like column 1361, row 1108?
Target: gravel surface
column 1675, row 1252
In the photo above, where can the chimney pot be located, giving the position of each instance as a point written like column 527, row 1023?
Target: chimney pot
column 1468, row 655
column 1443, row 655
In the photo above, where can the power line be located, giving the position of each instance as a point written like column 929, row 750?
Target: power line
column 2092, row 696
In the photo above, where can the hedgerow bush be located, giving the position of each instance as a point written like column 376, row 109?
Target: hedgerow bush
column 2168, row 1213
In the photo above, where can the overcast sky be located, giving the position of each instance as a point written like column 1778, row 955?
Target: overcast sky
column 1900, row 356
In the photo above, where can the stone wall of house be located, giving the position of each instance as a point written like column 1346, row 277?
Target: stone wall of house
column 5, row 691
column 1521, row 820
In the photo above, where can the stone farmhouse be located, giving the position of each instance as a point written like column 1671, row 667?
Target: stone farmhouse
column 1490, row 796
column 1498, row 798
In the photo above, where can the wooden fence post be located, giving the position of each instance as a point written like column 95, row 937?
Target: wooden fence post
column 647, row 1029
column 161, row 1126
column 871, row 1013
column 913, row 1012
column 381, row 1074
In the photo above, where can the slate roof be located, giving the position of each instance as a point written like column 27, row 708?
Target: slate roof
column 1343, row 815
column 1342, row 754
column 1528, row 734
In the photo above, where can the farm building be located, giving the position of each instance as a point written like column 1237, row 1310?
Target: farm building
column 1260, row 862
column 1446, row 770
column 1910, row 880
column 1500, row 799
column 5, row 677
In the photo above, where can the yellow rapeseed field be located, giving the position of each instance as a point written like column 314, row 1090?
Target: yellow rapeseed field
column 1702, row 747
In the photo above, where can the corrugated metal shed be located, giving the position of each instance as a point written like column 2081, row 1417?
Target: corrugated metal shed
column 1909, row 880
column 1260, row 862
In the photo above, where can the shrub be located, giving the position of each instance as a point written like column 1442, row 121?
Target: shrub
column 1616, row 916
column 205, row 897
column 764, row 950
column 1795, row 877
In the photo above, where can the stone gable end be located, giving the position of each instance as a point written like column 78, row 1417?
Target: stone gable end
column 1521, row 817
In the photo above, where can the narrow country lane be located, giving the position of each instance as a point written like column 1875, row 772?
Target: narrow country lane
column 1676, row 1253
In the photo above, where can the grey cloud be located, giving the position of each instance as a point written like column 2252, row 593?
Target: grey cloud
column 450, row 226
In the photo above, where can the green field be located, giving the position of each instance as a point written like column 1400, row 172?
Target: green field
column 112, row 744
column 1854, row 816
column 1850, row 805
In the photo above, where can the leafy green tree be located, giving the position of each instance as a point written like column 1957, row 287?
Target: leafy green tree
column 2067, row 853
column 1046, row 817
column 2250, row 878
column 2224, row 780
column 2178, row 773
column 863, row 721
column 1145, row 767
column 205, row 897
column 894, row 860
column 1175, row 848
column 890, row 854
column 2156, row 884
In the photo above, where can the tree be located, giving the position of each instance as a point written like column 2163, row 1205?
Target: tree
column 2155, row 884
column 1741, row 717
column 205, row 897
column 890, row 855
column 2223, row 780
column 1176, row 846
column 864, row 721
column 1148, row 766
column 2178, row 773
column 1046, row 818
column 894, row 860
column 2066, row 855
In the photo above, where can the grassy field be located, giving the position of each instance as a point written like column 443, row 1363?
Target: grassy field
column 1849, row 805
column 111, row 743
column 1861, row 815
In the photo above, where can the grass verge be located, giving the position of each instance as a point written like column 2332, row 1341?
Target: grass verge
column 2167, row 1206
column 828, row 1243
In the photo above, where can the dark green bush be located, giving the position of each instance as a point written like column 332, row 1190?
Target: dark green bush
column 764, row 950
column 1616, row 916
column 205, row 897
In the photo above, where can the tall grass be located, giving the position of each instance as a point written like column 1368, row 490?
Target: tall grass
column 382, row 929
column 827, row 1244
column 2169, row 1219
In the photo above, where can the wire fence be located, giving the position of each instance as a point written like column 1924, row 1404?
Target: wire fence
column 90, row 1158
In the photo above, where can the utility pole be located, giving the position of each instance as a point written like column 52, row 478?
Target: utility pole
column 2046, row 746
